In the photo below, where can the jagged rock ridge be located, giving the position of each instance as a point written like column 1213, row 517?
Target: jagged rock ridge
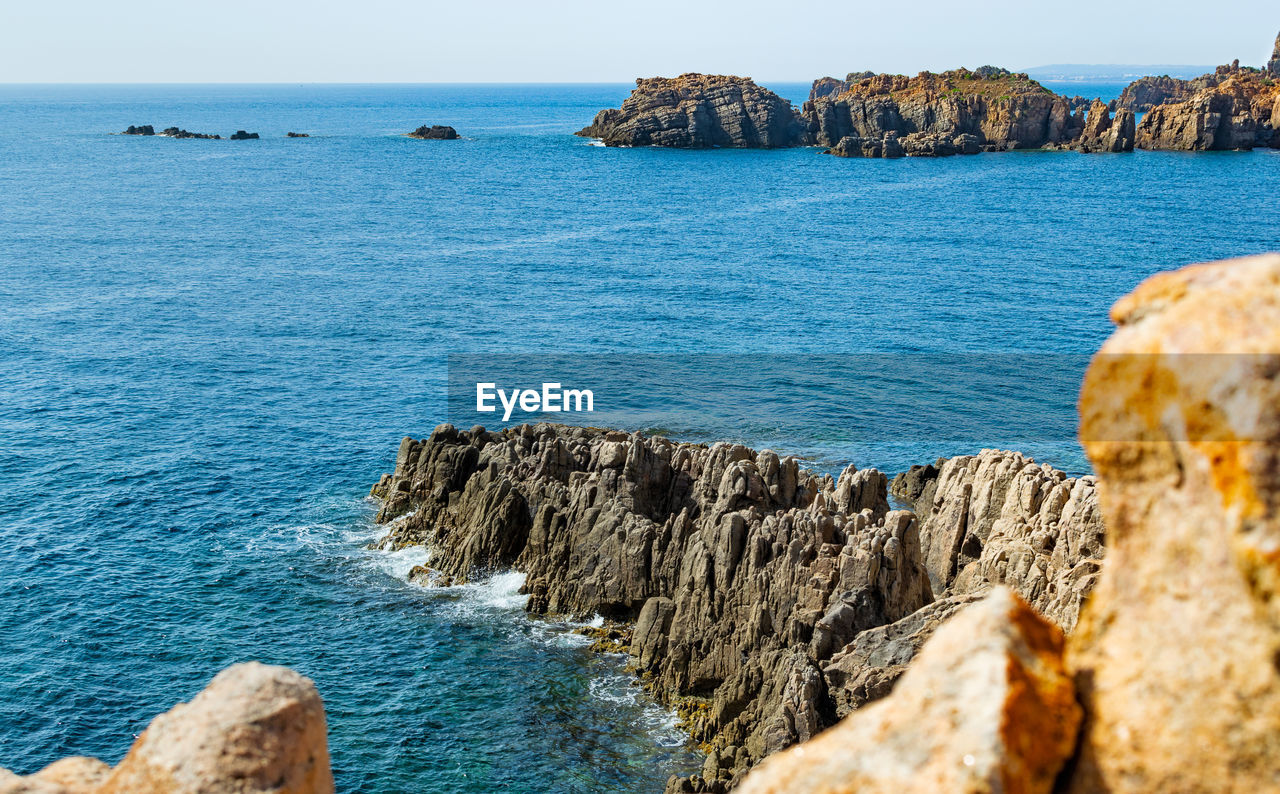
column 752, row 583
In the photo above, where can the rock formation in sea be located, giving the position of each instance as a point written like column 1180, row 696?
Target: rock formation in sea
column 145, row 129
column 174, row 132
column 956, row 112
column 1173, row 661
column 1145, row 93
column 698, row 111
column 297, row 135
column 766, row 600
column 255, row 729
column 1235, row 110
column 241, row 135
column 436, row 132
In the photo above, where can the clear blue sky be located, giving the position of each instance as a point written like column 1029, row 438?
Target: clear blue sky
column 574, row 40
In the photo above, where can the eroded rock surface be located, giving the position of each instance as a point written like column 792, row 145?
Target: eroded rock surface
column 1234, row 109
column 987, row 708
column 1000, row 518
column 1176, row 653
column 935, row 115
column 766, row 600
column 698, row 111
column 255, row 729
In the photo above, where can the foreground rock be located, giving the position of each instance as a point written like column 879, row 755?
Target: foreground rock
column 699, row 111
column 1176, row 654
column 766, row 600
column 987, row 708
column 436, row 132
column 254, row 730
column 1235, row 110
column 956, row 112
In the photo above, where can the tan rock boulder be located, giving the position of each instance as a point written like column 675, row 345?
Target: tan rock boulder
column 1176, row 654
column 255, row 729
column 986, row 707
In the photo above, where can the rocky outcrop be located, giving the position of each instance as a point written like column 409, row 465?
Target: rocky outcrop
column 1234, row 111
column 174, row 132
column 145, row 129
column 741, row 571
column 956, row 112
column 998, row 109
column 297, row 135
column 766, row 600
column 1176, row 653
column 988, row 708
column 241, row 135
column 1273, row 65
column 1102, row 133
column 699, row 111
column 254, row 730
column 436, row 132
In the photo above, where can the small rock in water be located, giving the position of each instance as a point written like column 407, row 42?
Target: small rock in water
column 145, row 129
column 241, row 135
column 435, row 132
column 297, row 135
column 174, row 132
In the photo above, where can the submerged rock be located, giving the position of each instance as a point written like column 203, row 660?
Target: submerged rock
column 297, row 135
column 698, row 111
column 254, row 730
column 435, row 132
column 987, row 708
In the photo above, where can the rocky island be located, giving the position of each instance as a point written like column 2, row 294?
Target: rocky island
column 956, row 112
column 699, row 111
column 435, row 132
column 962, row 111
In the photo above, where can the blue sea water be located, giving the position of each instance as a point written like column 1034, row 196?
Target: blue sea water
column 210, row 349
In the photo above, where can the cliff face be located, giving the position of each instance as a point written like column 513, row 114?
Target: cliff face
column 1235, row 112
column 254, row 730
column 1171, row 671
column 957, row 112
column 756, row 588
column 698, row 111
column 1273, row 65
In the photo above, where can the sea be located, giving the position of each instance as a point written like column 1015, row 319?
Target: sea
column 210, row 350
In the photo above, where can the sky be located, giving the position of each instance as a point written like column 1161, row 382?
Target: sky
column 412, row 41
